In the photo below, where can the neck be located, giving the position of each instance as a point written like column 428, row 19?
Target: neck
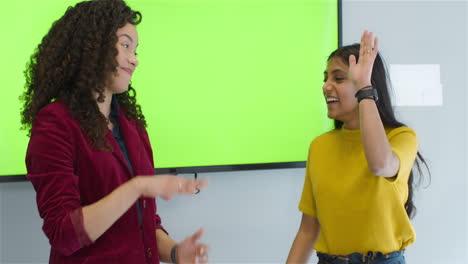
column 352, row 125
column 352, row 122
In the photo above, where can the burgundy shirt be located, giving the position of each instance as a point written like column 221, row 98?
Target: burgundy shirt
column 68, row 174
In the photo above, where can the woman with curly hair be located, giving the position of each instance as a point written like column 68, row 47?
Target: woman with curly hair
column 89, row 157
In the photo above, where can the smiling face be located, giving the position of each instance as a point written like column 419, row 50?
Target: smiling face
column 339, row 92
column 127, row 42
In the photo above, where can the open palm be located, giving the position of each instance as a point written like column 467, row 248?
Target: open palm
column 360, row 72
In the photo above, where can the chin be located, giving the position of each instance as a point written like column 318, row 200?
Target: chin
column 120, row 90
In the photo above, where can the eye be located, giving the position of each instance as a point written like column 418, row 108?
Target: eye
column 339, row 79
column 125, row 45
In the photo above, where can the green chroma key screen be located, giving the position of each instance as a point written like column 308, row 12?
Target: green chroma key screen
column 220, row 82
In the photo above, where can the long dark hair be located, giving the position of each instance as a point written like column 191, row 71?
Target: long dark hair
column 74, row 61
column 381, row 82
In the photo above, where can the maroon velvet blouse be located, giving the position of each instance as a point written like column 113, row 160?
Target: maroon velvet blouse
column 68, row 174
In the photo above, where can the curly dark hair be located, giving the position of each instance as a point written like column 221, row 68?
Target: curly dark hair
column 73, row 63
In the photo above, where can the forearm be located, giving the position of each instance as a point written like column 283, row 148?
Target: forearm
column 380, row 158
column 305, row 240
column 165, row 244
column 302, row 248
column 99, row 216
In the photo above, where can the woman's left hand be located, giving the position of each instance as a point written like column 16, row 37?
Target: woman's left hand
column 360, row 73
column 191, row 251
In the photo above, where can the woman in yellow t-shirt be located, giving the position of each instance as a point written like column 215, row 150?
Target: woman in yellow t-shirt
column 357, row 195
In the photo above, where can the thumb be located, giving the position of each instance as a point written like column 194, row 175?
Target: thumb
column 352, row 60
column 197, row 234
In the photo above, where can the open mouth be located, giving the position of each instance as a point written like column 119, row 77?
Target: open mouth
column 331, row 100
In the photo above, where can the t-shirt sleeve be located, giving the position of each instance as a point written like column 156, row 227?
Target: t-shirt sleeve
column 404, row 144
column 307, row 202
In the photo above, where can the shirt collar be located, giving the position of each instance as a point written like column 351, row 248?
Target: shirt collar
column 114, row 107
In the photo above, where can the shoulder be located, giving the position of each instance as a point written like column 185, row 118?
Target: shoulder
column 400, row 131
column 54, row 115
column 402, row 138
column 325, row 137
column 55, row 109
column 324, row 141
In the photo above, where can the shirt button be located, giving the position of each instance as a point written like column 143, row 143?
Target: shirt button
column 149, row 253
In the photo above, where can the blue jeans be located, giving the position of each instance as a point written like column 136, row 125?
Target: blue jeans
column 396, row 257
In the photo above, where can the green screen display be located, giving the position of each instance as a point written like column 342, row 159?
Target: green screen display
column 220, row 82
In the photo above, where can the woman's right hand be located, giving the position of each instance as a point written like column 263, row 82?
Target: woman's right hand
column 167, row 185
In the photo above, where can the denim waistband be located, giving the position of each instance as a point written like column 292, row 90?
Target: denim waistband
column 358, row 257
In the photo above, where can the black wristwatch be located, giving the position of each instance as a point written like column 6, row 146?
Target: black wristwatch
column 174, row 254
column 367, row 94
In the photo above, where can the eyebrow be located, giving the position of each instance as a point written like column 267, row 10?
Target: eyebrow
column 334, row 71
column 126, row 35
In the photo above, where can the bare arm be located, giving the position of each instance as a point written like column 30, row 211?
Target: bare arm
column 304, row 242
column 99, row 216
column 380, row 158
column 165, row 244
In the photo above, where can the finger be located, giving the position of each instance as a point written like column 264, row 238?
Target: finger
column 193, row 186
column 197, row 234
column 202, row 183
column 167, row 197
column 179, row 185
column 201, row 249
column 362, row 45
column 352, row 60
column 189, row 186
column 368, row 40
column 203, row 259
column 367, row 44
column 363, row 36
column 376, row 46
column 204, row 251
column 183, row 185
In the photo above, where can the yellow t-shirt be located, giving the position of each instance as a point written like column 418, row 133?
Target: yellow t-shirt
column 357, row 210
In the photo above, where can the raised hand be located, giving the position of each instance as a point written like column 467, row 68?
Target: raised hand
column 360, row 73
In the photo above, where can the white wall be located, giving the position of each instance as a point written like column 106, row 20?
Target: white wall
column 252, row 217
column 417, row 32
column 21, row 233
column 466, row 146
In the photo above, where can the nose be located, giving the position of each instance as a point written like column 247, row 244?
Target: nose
column 326, row 87
column 133, row 60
